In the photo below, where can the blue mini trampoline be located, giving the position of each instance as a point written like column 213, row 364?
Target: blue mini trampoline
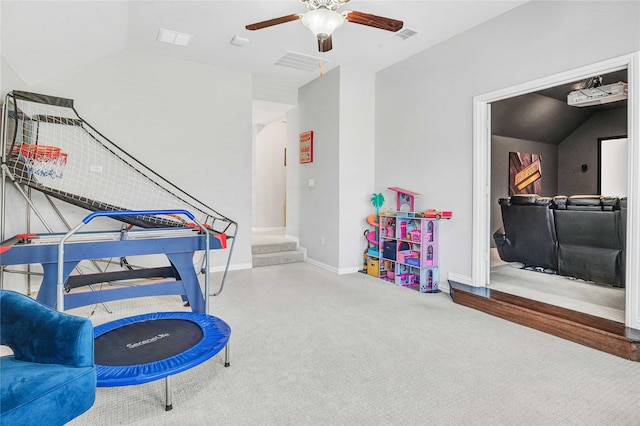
column 148, row 347
column 153, row 346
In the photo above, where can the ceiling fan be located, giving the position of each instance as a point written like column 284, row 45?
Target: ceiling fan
column 322, row 19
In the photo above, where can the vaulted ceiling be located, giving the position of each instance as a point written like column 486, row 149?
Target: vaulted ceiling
column 43, row 38
column 545, row 116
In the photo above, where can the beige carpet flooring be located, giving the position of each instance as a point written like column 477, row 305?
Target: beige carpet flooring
column 310, row 347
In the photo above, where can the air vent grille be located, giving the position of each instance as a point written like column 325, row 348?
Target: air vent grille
column 301, row 61
column 405, row 33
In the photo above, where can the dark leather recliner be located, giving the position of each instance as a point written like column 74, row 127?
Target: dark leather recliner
column 623, row 239
column 590, row 243
column 528, row 235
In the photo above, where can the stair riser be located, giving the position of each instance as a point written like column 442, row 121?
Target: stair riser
column 277, row 260
column 594, row 332
column 274, row 248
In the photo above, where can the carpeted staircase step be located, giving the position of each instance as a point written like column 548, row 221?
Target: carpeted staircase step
column 588, row 330
column 277, row 258
column 274, row 247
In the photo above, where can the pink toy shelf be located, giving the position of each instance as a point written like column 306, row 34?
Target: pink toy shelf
column 408, row 244
column 409, row 251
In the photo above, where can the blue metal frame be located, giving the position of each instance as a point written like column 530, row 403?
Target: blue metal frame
column 178, row 249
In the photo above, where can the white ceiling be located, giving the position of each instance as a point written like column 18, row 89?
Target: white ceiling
column 43, row 38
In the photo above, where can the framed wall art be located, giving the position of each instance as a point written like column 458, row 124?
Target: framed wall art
column 306, row 147
column 525, row 173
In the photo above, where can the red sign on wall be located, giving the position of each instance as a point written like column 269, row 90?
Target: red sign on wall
column 306, row 147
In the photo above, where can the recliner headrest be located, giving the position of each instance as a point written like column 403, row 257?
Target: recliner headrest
column 519, row 199
column 530, row 200
column 586, row 202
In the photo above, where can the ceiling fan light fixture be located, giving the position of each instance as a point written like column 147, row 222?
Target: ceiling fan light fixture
column 322, row 22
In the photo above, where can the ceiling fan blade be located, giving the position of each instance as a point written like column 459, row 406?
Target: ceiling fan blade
column 325, row 45
column 373, row 21
column 272, row 22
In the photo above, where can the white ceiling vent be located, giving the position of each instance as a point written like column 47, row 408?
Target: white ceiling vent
column 299, row 61
column 405, row 34
column 173, row 37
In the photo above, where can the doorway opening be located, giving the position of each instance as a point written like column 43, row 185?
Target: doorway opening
column 483, row 202
column 269, row 166
column 612, row 165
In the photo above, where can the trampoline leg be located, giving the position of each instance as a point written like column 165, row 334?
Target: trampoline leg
column 226, row 355
column 169, row 405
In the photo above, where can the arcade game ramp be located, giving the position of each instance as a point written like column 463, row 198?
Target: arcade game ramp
column 47, row 146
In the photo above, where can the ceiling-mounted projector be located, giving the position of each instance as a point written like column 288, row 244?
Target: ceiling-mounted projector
column 598, row 95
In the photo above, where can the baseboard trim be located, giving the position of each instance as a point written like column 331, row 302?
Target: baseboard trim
column 598, row 333
column 271, row 229
column 234, row 267
column 321, row 265
column 351, row 270
column 459, row 278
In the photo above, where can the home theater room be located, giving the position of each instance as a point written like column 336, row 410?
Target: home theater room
column 319, row 212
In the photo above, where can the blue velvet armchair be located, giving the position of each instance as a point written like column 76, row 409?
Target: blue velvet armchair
column 50, row 378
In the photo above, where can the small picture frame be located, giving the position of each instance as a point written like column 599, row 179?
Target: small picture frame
column 306, row 147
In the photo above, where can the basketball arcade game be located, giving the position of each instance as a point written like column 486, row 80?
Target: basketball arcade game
column 47, row 147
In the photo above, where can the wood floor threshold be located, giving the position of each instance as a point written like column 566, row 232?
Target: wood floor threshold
column 598, row 333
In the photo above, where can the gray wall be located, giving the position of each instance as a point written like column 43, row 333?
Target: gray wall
column 500, row 148
column 581, row 147
column 424, row 119
column 355, row 164
column 331, row 215
column 319, row 109
column 561, row 164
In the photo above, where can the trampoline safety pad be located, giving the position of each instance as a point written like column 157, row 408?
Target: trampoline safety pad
column 152, row 346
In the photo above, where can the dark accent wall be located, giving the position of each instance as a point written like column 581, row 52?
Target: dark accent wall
column 561, row 164
column 500, row 148
column 581, row 147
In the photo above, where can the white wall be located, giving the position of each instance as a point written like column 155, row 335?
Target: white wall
column 424, row 104
column 269, row 188
column 9, row 79
column 189, row 122
column 613, row 166
column 16, row 211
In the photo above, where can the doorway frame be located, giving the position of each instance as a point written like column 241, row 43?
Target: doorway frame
column 482, row 170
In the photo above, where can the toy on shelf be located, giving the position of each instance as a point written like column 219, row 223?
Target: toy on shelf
column 404, row 197
column 372, row 236
column 371, row 265
column 435, row 214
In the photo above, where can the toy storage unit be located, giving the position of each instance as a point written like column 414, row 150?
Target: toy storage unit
column 409, row 251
